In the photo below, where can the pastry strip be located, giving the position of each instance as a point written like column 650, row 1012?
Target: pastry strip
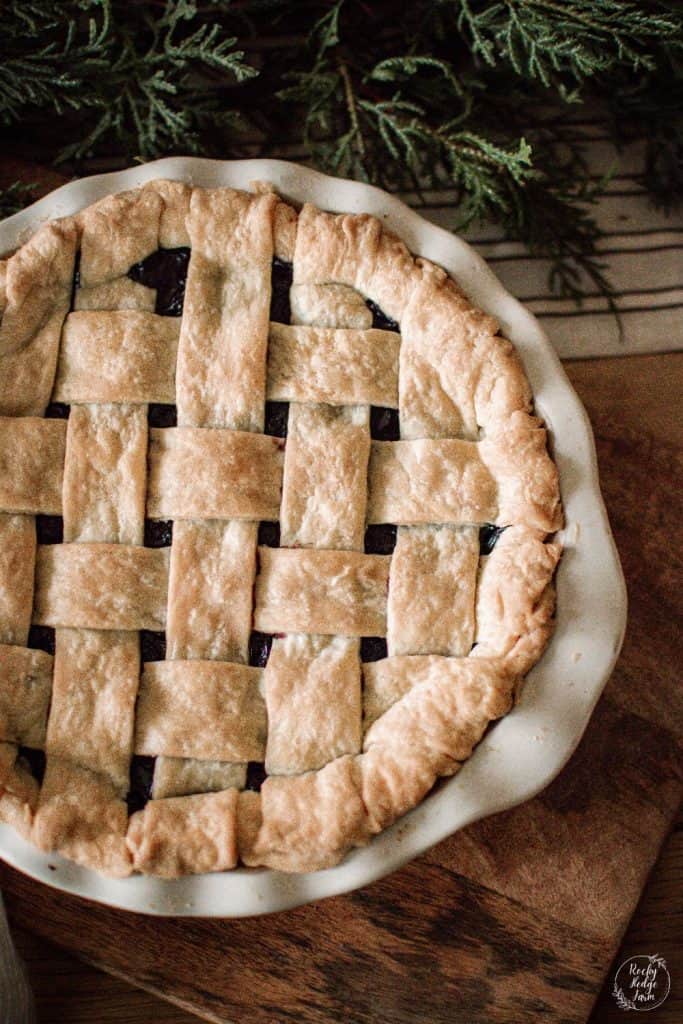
column 81, row 815
column 223, row 340
column 313, row 698
column 527, row 479
column 120, row 356
column 180, row 776
column 353, row 249
column 213, row 564
column 330, row 592
column 185, row 835
column 31, row 465
column 430, row 481
column 38, row 284
column 117, row 232
column 120, row 293
column 105, row 474
column 324, row 489
column 210, row 710
column 91, row 718
column 17, row 562
column 25, row 685
column 213, row 474
column 101, row 586
column 341, row 367
column 329, row 305
column 437, row 705
column 210, row 590
column 305, row 822
column 515, row 597
column 445, row 345
column 431, row 590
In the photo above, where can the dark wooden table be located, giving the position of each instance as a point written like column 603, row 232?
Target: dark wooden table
column 515, row 919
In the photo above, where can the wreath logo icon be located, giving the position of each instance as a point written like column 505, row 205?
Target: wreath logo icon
column 641, row 983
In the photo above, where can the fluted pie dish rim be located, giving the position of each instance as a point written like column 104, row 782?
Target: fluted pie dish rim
column 524, row 750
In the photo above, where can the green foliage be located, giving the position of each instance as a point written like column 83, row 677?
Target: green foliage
column 470, row 95
column 130, row 71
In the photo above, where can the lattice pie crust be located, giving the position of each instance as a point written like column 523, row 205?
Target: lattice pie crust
column 393, row 648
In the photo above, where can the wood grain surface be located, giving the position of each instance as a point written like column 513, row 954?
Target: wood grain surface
column 514, row 919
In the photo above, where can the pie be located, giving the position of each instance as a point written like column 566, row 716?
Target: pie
column 276, row 532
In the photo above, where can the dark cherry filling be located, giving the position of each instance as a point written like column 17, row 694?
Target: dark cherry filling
column 269, row 534
column 488, row 536
column 380, row 319
column 384, row 424
column 277, row 414
column 373, row 648
column 57, row 411
column 42, row 638
column 158, row 533
column 259, row 649
column 35, row 761
column 141, row 775
column 162, row 415
column 152, row 645
column 166, row 271
column 380, row 539
column 280, row 283
column 50, row 529
column 76, row 283
column 256, row 775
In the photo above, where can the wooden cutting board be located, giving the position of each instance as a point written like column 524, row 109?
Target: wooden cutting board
column 516, row 918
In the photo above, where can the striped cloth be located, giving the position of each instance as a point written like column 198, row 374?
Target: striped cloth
column 642, row 249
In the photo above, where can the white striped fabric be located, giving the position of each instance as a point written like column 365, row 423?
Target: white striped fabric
column 642, row 251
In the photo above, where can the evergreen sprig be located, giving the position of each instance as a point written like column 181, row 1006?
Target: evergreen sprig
column 470, row 95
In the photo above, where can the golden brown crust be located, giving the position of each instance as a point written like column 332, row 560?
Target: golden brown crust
column 117, row 232
column 329, row 305
column 209, row 560
column 182, row 776
column 342, row 367
column 185, row 835
column 119, row 294
column 516, row 599
column 205, row 473
column 432, row 588
column 81, row 816
column 105, row 474
column 208, row 710
column 17, row 561
column 93, row 700
column 446, row 707
column 38, row 284
column 430, row 481
column 18, row 791
column 354, row 250
column 528, row 483
column 31, row 465
column 117, row 356
column 324, row 485
column 224, row 333
column 331, row 592
column 471, row 453
column 313, row 697
column 304, row 822
column 175, row 210
column 25, row 685
column 101, row 586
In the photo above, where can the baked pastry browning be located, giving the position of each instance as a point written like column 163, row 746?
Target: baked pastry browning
column 276, row 532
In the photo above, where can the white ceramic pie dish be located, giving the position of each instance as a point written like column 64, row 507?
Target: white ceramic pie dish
column 524, row 751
